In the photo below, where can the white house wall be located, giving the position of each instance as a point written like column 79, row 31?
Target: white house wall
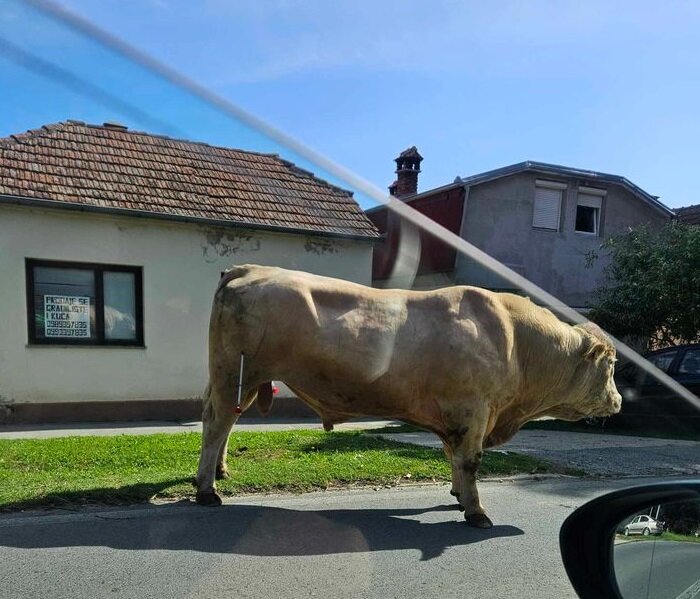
column 181, row 267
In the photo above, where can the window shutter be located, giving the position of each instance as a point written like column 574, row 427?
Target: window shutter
column 547, row 208
column 592, row 201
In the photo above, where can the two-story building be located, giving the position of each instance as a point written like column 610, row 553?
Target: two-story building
column 541, row 220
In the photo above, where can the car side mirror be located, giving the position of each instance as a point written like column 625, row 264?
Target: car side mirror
column 638, row 542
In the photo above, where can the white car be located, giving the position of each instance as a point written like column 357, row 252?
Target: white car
column 644, row 525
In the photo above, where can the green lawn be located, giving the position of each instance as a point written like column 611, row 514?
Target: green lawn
column 131, row 469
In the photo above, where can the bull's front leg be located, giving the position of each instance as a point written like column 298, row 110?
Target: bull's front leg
column 467, row 454
column 456, row 473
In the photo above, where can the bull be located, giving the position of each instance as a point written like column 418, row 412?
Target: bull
column 470, row 365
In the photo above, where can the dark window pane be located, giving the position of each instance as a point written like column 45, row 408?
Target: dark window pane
column 586, row 217
column 690, row 363
column 120, row 305
column 663, row 361
column 64, row 303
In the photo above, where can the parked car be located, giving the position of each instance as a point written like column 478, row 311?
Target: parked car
column 643, row 525
column 646, row 400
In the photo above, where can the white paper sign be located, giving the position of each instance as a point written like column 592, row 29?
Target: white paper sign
column 66, row 316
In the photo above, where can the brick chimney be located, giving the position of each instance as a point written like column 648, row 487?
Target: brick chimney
column 407, row 169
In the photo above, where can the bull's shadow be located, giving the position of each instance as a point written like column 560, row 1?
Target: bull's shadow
column 255, row 530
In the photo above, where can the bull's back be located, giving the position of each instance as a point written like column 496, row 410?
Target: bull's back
column 320, row 332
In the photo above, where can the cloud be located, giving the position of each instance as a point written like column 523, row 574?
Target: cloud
column 515, row 36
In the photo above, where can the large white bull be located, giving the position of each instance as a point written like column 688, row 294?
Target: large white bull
column 470, row 365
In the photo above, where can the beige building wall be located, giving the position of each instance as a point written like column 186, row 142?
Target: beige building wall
column 181, row 267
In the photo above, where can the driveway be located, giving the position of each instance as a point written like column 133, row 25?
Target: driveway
column 601, row 455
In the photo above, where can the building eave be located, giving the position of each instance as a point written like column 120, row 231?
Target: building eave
column 565, row 171
column 88, row 208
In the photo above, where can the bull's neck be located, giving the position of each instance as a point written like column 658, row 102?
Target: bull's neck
column 548, row 361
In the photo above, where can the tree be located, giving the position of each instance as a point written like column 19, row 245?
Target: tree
column 653, row 285
column 681, row 517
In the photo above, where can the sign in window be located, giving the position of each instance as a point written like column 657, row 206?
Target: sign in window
column 67, row 316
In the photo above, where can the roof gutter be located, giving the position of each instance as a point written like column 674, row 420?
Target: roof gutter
column 606, row 178
column 77, row 207
column 407, row 199
column 565, row 171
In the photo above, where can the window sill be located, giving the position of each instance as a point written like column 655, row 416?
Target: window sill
column 586, row 233
column 85, row 345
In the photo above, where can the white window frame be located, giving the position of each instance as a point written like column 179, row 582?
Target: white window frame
column 549, row 185
column 594, row 199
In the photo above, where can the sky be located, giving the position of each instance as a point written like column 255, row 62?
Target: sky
column 608, row 86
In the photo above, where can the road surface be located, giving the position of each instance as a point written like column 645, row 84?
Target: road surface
column 402, row 542
column 600, row 455
column 658, row 569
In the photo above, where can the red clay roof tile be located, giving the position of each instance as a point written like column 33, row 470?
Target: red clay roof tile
column 130, row 170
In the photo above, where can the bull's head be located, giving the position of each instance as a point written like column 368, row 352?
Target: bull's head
column 596, row 393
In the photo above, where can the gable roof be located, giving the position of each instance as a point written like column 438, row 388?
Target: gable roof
column 689, row 215
column 108, row 168
column 566, row 171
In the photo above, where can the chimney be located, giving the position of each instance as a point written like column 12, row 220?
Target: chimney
column 115, row 126
column 407, row 169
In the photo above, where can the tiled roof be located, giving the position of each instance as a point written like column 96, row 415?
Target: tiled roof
column 690, row 215
column 110, row 167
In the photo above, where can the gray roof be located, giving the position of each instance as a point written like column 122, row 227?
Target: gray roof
column 564, row 171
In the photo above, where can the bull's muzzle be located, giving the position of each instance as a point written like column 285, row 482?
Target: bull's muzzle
column 615, row 404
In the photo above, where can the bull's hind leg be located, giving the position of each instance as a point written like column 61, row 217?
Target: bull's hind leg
column 221, row 466
column 217, row 419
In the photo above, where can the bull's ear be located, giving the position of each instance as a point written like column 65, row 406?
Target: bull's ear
column 596, row 351
column 594, row 330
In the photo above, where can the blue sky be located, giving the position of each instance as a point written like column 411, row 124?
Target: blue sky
column 611, row 86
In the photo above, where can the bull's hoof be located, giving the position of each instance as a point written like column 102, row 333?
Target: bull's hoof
column 222, row 473
column 454, row 493
column 478, row 520
column 208, row 499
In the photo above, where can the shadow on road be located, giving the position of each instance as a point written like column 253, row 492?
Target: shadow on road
column 255, row 531
column 116, row 495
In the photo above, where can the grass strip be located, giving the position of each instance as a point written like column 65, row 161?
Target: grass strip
column 70, row 471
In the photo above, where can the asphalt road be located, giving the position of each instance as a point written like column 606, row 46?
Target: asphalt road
column 658, row 569
column 601, row 455
column 402, row 542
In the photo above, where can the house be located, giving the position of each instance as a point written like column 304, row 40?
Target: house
column 112, row 242
column 689, row 215
column 541, row 220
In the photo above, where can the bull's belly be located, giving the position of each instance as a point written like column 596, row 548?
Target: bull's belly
column 342, row 401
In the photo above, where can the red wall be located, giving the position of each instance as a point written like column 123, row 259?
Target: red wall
column 445, row 208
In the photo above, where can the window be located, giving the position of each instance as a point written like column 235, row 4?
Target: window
column 664, row 360
column 547, row 208
column 690, row 364
column 588, row 210
column 70, row 303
